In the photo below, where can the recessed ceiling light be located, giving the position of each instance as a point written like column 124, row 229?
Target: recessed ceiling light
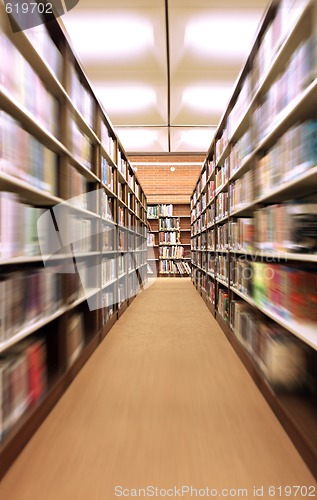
column 125, row 99
column 211, row 98
column 172, row 169
column 205, row 35
column 139, row 138
column 198, row 138
column 108, row 36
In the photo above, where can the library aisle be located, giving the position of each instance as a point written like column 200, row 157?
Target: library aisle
column 164, row 402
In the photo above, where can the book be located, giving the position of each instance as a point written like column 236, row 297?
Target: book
column 74, row 337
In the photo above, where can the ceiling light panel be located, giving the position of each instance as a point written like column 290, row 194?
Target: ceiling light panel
column 191, row 140
column 116, row 37
column 143, row 140
column 199, row 104
column 133, row 104
column 200, row 36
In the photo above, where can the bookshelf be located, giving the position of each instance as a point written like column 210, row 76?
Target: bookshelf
column 73, row 227
column 253, row 219
column 169, row 240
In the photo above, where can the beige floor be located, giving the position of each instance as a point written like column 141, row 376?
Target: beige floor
column 163, row 402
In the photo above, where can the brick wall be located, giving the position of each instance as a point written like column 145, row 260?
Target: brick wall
column 163, row 186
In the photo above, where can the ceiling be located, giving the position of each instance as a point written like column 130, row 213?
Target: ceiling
column 164, row 69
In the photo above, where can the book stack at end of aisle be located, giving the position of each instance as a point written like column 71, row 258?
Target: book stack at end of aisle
column 169, row 240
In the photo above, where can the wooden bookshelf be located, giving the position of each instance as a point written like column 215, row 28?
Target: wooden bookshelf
column 169, row 240
column 59, row 153
column 243, row 208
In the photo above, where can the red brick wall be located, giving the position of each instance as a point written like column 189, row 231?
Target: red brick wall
column 163, row 186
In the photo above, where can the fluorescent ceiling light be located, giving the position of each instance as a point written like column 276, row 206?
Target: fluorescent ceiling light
column 132, row 139
column 211, row 98
column 165, row 163
column 201, row 139
column 228, row 34
column 123, row 99
column 99, row 36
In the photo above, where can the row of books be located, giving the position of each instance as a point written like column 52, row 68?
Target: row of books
column 81, row 233
column 174, row 252
column 131, row 179
column 78, row 186
column 81, row 145
column 206, row 220
column 108, row 238
column 204, row 241
column 292, row 155
column 165, row 210
column 108, row 142
column 23, row 380
column 108, row 270
column 107, row 306
column 222, row 206
column 169, row 223
column 28, row 296
column 288, row 290
column 274, row 35
column 300, row 72
column 241, row 104
column 152, row 212
column 242, row 191
column 206, row 173
column 121, row 193
column 122, row 294
column 24, row 85
column 222, row 143
column 18, row 227
column 170, row 238
column 241, row 275
column 240, row 151
column 174, row 267
column 122, row 239
column 107, row 174
column 290, row 227
column 107, row 207
column 44, row 45
column 137, row 189
column 263, row 58
column 210, row 290
column 81, row 97
column 222, row 267
column 121, row 216
column 241, row 234
column 121, row 263
column 138, row 209
column 150, row 239
column 211, row 263
column 122, row 164
column 222, row 175
column 223, row 237
column 24, row 157
column 280, row 356
column 223, row 304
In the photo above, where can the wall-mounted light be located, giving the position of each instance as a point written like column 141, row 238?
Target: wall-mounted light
column 172, row 169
